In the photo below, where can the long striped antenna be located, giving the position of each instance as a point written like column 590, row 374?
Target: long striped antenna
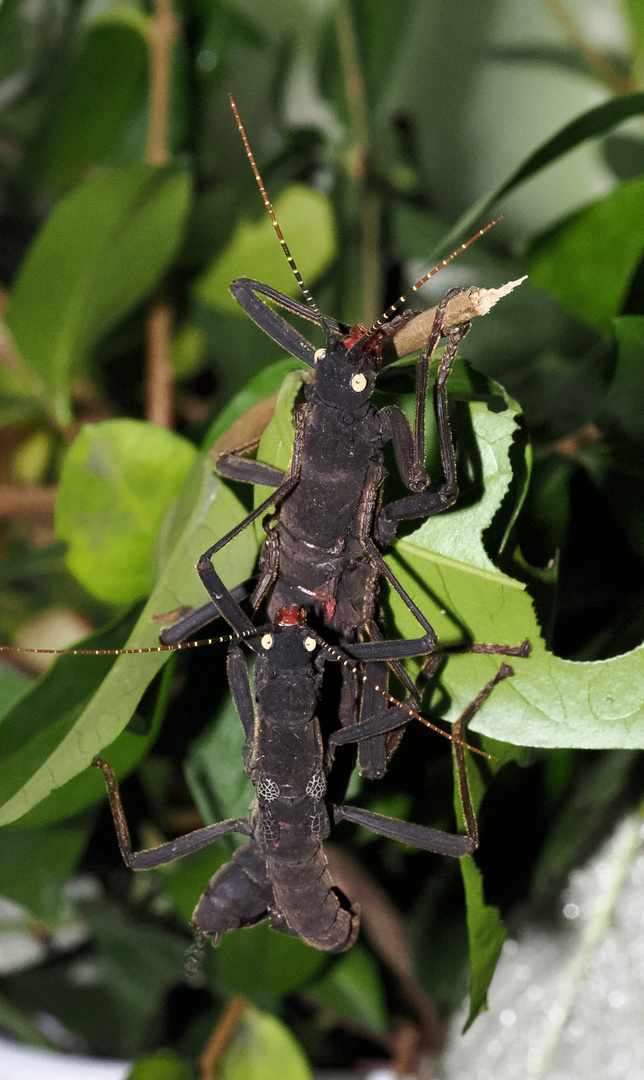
column 405, row 296
column 336, row 654
column 226, row 639
column 267, row 203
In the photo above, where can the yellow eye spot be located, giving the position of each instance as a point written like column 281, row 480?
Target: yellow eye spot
column 309, row 644
column 267, row 641
column 318, row 355
column 358, row 383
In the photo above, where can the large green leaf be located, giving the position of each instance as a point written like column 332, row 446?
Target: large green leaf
column 118, row 481
column 588, row 262
column 100, row 252
column 305, row 217
column 107, row 86
column 353, row 991
column 263, row 964
column 590, row 125
column 45, row 752
column 445, row 566
column 263, row 1049
column 486, row 935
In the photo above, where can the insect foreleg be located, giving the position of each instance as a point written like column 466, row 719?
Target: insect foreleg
column 245, row 289
column 426, row 503
column 247, row 471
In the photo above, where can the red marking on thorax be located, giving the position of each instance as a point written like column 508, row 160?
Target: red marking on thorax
column 290, row 616
column 356, row 332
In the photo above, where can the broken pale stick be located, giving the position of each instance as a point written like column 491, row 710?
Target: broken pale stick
column 468, row 305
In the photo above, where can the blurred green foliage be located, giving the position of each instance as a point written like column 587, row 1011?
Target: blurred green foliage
column 385, row 134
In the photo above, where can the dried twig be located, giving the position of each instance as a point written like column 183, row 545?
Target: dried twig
column 468, row 305
column 163, row 31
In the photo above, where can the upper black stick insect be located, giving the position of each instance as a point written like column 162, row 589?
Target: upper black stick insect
column 281, row 872
column 321, row 548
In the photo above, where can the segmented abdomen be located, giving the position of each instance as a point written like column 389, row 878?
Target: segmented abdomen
column 305, row 895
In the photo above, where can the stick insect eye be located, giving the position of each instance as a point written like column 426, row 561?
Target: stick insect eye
column 267, row 641
column 318, row 355
column 309, row 644
column 358, row 383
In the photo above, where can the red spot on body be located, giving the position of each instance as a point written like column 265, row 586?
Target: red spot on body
column 356, row 332
column 289, row 616
column 330, row 607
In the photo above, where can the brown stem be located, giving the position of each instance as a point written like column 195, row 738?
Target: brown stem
column 160, row 374
column 598, row 63
column 32, row 501
column 163, row 31
column 218, row 1042
column 368, row 200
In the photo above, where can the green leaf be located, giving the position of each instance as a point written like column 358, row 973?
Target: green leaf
column 214, row 770
column 624, row 401
column 107, row 85
column 485, row 930
column 352, row 989
column 486, row 935
column 445, row 566
column 52, row 752
column 305, row 217
column 589, row 125
column 164, row 1065
column 118, row 480
column 100, row 252
column 267, row 381
column 35, row 863
column 128, row 749
column 588, row 262
column 263, row 1049
column 139, row 964
column 263, row 964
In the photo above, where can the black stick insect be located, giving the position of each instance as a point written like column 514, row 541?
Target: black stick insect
column 321, row 549
column 281, row 871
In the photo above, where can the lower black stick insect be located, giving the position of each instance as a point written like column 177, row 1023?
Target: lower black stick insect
column 321, row 550
column 281, row 872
